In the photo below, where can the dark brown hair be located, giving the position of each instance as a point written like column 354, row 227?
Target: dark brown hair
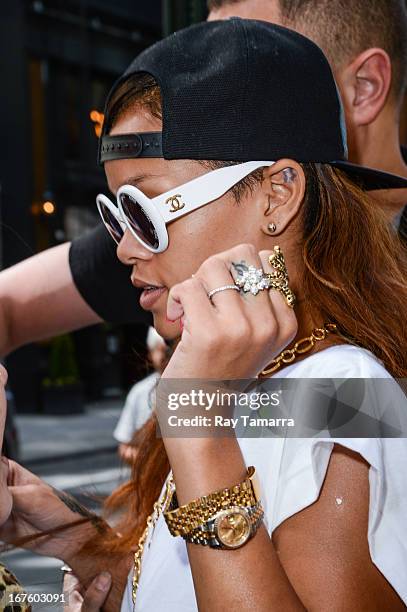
column 354, row 275
column 345, row 28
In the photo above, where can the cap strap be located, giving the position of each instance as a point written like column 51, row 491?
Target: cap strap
column 127, row 146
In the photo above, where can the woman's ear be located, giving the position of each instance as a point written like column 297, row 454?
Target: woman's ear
column 283, row 187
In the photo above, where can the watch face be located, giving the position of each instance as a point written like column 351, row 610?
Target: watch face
column 232, row 527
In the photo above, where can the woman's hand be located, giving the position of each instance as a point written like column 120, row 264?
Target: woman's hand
column 38, row 508
column 234, row 336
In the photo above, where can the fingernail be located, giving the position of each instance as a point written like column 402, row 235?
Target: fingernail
column 181, row 324
column 103, row 581
column 169, row 320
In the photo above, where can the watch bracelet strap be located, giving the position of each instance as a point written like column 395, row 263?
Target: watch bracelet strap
column 184, row 519
column 208, row 538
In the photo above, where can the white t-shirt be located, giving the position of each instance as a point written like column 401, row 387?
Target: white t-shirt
column 137, row 409
column 291, row 472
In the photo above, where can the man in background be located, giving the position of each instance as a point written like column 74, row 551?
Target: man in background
column 72, row 286
column 365, row 42
column 140, row 400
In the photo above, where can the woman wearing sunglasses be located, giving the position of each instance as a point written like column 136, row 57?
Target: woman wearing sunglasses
column 207, row 241
column 237, row 213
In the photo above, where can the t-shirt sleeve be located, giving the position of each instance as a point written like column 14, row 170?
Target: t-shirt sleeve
column 103, row 281
column 303, row 467
column 302, row 463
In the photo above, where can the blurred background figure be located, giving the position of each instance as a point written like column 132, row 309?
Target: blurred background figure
column 139, row 402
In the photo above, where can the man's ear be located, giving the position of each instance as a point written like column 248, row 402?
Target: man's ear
column 365, row 85
column 283, row 189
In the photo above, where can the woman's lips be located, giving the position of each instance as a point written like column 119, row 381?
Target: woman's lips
column 150, row 296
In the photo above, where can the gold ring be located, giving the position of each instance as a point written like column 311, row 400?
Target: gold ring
column 279, row 277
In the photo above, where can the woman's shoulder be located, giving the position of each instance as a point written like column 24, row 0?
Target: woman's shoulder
column 339, row 361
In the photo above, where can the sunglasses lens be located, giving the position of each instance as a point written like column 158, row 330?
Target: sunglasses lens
column 140, row 223
column 112, row 224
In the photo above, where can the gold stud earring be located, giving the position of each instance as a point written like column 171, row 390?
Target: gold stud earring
column 272, row 228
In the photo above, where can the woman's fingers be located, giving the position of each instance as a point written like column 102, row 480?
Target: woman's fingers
column 284, row 314
column 225, row 269
column 189, row 301
column 257, row 322
column 96, row 593
column 215, row 274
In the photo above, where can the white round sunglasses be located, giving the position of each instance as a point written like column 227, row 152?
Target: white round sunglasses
column 147, row 218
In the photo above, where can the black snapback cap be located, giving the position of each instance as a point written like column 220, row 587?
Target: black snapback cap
column 242, row 90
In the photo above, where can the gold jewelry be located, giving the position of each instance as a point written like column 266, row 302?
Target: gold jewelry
column 229, row 528
column 302, row 346
column 279, row 277
column 182, row 520
column 158, row 508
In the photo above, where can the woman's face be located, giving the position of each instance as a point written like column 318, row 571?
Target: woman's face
column 6, row 502
column 211, row 229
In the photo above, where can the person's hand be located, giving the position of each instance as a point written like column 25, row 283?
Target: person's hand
column 90, row 600
column 5, row 496
column 234, row 336
column 38, row 508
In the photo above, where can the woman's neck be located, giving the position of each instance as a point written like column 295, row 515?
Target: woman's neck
column 306, row 325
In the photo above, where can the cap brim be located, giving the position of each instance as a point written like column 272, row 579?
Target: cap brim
column 370, row 179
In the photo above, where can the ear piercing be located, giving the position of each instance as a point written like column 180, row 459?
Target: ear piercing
column 272, row 228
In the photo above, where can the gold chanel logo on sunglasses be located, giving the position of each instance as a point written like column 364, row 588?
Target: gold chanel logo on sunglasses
column 175, row 202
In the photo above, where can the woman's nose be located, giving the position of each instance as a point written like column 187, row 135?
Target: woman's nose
column 129, row 250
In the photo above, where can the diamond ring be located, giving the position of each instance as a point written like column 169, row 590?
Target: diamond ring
column 223, row 288
column 251, row 279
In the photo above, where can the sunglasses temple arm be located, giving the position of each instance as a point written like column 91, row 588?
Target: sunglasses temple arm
column 204, row 189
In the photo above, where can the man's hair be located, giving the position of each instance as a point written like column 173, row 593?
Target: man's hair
column 345, row 28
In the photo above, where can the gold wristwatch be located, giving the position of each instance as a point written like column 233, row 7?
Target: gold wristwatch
column 227, row 518
column 230, row 528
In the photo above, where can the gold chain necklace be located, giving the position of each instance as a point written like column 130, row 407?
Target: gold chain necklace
column 287, row 356
column 302, row 346
column 159, row 506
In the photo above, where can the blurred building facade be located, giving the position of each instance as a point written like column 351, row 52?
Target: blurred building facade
column 60, row 58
